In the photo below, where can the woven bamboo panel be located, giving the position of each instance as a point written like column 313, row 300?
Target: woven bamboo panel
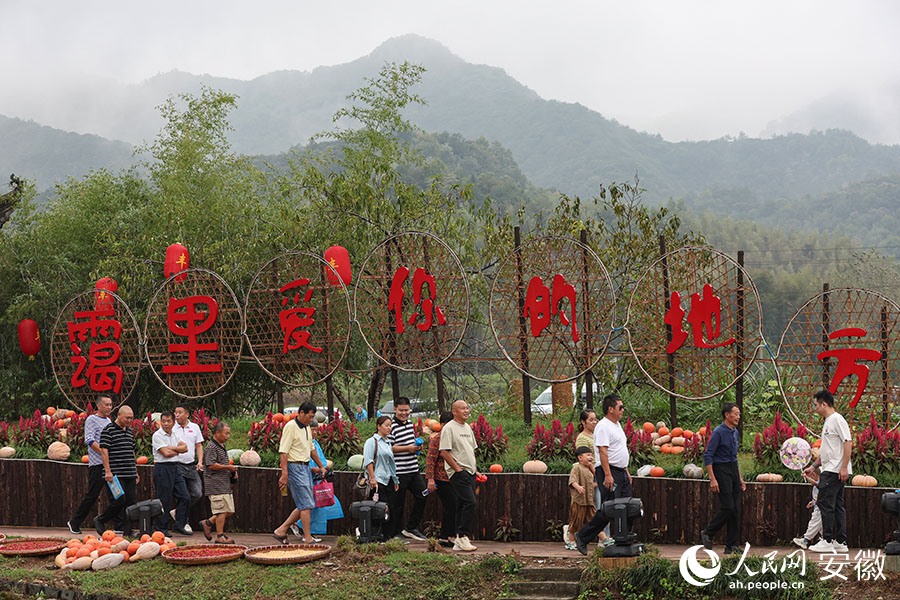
column 210, row 323
column 692, row 371
column 95, row 347
column 427, row 332
column 298, row 332
column 808, row 334
column 533, row 319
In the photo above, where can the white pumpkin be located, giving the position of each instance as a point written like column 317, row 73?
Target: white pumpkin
column 535, row 466
column 7, row 452
column 235, row 454
column 645, row 471
column 58, row 451
column 355, row 462
column 692, row 471
column 250, row 458
column 678, row 441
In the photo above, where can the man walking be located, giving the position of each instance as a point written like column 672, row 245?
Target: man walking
column 218, row 477
column 458, row 451
column 296, row 449
column 612, row 476
column 190, row 462
column 167, row 479
column 720, row 459
column 403, row 443
column 117, row 453
column 834, row 462
column 93, row 426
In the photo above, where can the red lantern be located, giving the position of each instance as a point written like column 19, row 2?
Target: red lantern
column 102, row 299
column 29, row 338
column 177, row 260
column 339, row 259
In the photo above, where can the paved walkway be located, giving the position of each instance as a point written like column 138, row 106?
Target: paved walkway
column 550, row 550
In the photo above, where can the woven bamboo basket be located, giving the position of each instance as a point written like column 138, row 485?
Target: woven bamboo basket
column 9, row 548
column 252, row 554
column 171, row 555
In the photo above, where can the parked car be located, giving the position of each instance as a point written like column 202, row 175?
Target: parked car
column 543, row 404
column 420, row 408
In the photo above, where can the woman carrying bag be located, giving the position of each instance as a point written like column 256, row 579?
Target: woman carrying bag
column 378, row 462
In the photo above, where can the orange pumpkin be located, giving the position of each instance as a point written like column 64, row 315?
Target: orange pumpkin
column 73, row 543
column 51, row 410
column 158, row 537
column 677, row 432
column 817, row 443
column 688, row 434
column 278, row 418
column 436, row 427
column 103, row 551
column 677, row 449
column 71, row 414
column 133, row 547
column 663, row 431
column 657, row 472
column 71, row 552
column 649, row 427
column 108, row 535
column 82, row 552
column 85, row 459
column 145, row 538
column 230, row 461
column 125, row 554
column 666, row 448
column 496, row 469
column 82, row 415
column 702, row 432
column 89, row 538
column 142, row 460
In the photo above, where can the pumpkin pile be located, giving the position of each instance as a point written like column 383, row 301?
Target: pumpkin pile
column 110, row 551
column 666, row 441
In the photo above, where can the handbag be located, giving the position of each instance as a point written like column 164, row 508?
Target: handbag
column 362, row 482
column 323, row 493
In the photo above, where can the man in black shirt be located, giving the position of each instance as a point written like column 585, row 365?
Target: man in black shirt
column 117, row 452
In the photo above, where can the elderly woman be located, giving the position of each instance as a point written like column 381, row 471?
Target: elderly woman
column 319, row 517
column 436, row 475
column 378, row 462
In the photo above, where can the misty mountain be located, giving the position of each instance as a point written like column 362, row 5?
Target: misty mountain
column 860, row 111
column 46, row 155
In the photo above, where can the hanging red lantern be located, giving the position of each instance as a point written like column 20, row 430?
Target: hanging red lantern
column 177, row 260
column 102, row 299
column 29, row 338
column 339, row 259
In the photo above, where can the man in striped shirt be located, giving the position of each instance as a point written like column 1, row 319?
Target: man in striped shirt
column 117, row 449
column 93, row 426
column 403, row 441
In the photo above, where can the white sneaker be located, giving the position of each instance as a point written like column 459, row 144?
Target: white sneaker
column 463, row 544
column 839, row 547
column 566, row 534
column 188, row 528
column 799, row 541
column 822, row 547
column 172, row 514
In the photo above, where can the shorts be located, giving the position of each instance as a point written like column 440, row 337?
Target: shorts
column 221, row 503
column 300, row 485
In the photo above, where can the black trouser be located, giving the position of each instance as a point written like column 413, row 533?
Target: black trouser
column 388, row 495
column 729, row 478
column 448, row 500
column 413, row 483
column 96, row 483
column 463, row 484
column 598, row 522
column 167, row 480
column 116, row 508
column 831, row 505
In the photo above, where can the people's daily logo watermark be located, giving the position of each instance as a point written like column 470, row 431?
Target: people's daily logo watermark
column 695, row 573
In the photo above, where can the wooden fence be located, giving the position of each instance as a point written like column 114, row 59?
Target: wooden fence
column 44, row 493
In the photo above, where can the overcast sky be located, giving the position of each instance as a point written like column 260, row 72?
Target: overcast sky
column 688, row 69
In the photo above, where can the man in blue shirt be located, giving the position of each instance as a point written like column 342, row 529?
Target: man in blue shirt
column 720, row 459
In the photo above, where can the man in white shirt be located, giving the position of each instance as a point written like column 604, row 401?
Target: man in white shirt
column 167, row 479
column 611, row 454
column 191, row 462
column 834, row 462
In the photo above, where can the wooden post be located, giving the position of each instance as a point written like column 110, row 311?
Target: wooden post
column 885, row 392
column 395, row 385
column 523, row 330
column 826, row 326
column 279, row 396
column 441, row 390
column 586, row 326
column 670, row 359
column 329, row 395
column 739, row 356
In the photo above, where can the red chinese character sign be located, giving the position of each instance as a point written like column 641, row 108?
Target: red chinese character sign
column 694, row 322
column 297, row 318
column 551, row 308
column 95, row 348
column 412, row 301
column 193, row 333
column 843, row 340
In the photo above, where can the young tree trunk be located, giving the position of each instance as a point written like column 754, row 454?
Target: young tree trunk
column 376, row 385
